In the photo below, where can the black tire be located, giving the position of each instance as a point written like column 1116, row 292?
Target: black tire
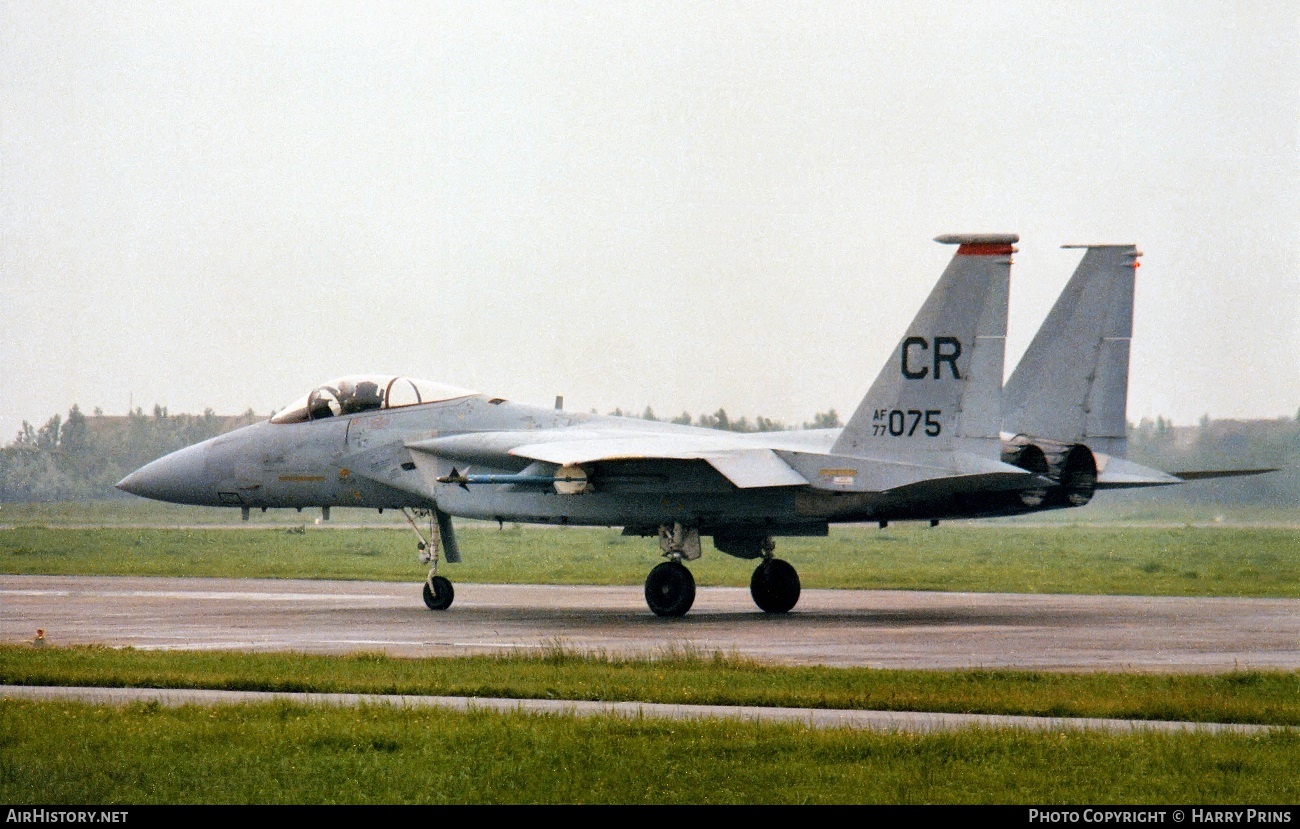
column 775, row 586
column 670, row 589
column 442, row 594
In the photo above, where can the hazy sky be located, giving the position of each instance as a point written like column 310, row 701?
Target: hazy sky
column 688, row 205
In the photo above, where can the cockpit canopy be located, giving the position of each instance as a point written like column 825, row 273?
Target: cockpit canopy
column 364, row 393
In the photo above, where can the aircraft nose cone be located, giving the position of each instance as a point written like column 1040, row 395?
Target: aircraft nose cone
column 178, row 477
column 132, row 483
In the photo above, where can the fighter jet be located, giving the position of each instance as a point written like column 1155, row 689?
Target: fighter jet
column 926, row 443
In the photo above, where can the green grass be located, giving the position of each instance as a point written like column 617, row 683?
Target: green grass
column 1271, row 698
column 68, row 753
column 1183, row 561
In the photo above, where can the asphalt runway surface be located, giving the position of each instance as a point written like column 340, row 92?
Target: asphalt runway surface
column 877, row 628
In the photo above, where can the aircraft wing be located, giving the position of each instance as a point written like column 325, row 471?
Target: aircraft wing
column 746, row 466
column 738, row 460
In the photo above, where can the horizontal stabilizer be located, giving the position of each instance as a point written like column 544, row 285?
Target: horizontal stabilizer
column 1207, row 474
column 1118, row 473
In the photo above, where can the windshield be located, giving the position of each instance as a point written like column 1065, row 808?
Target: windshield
column 364, row 393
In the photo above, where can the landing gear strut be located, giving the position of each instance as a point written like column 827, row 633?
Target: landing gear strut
column 438, row 592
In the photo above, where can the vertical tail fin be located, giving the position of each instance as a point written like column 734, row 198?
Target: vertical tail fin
column 1071, row 385
column 940, row 390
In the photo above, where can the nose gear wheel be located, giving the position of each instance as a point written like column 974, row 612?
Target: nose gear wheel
column 438, row 593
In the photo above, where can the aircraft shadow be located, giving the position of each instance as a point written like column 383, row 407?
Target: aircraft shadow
column 704, row 619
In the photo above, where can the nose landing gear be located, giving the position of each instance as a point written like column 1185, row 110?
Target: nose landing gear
column 438, row 592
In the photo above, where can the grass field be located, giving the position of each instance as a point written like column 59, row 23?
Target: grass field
column 1270, row 698
column 1147, row 560
column 70, row 753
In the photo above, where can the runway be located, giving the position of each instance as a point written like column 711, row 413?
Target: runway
column 888, row 629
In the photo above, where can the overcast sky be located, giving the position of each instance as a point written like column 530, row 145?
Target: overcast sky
column 687, row 205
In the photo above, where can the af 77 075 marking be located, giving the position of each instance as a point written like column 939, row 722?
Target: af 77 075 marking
column 895, row 422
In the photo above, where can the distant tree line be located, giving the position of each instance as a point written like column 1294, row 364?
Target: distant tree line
column 1222, row 444
column 81, row 457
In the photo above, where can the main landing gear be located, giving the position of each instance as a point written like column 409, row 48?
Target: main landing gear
column 775, row 586
column 670, row 587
